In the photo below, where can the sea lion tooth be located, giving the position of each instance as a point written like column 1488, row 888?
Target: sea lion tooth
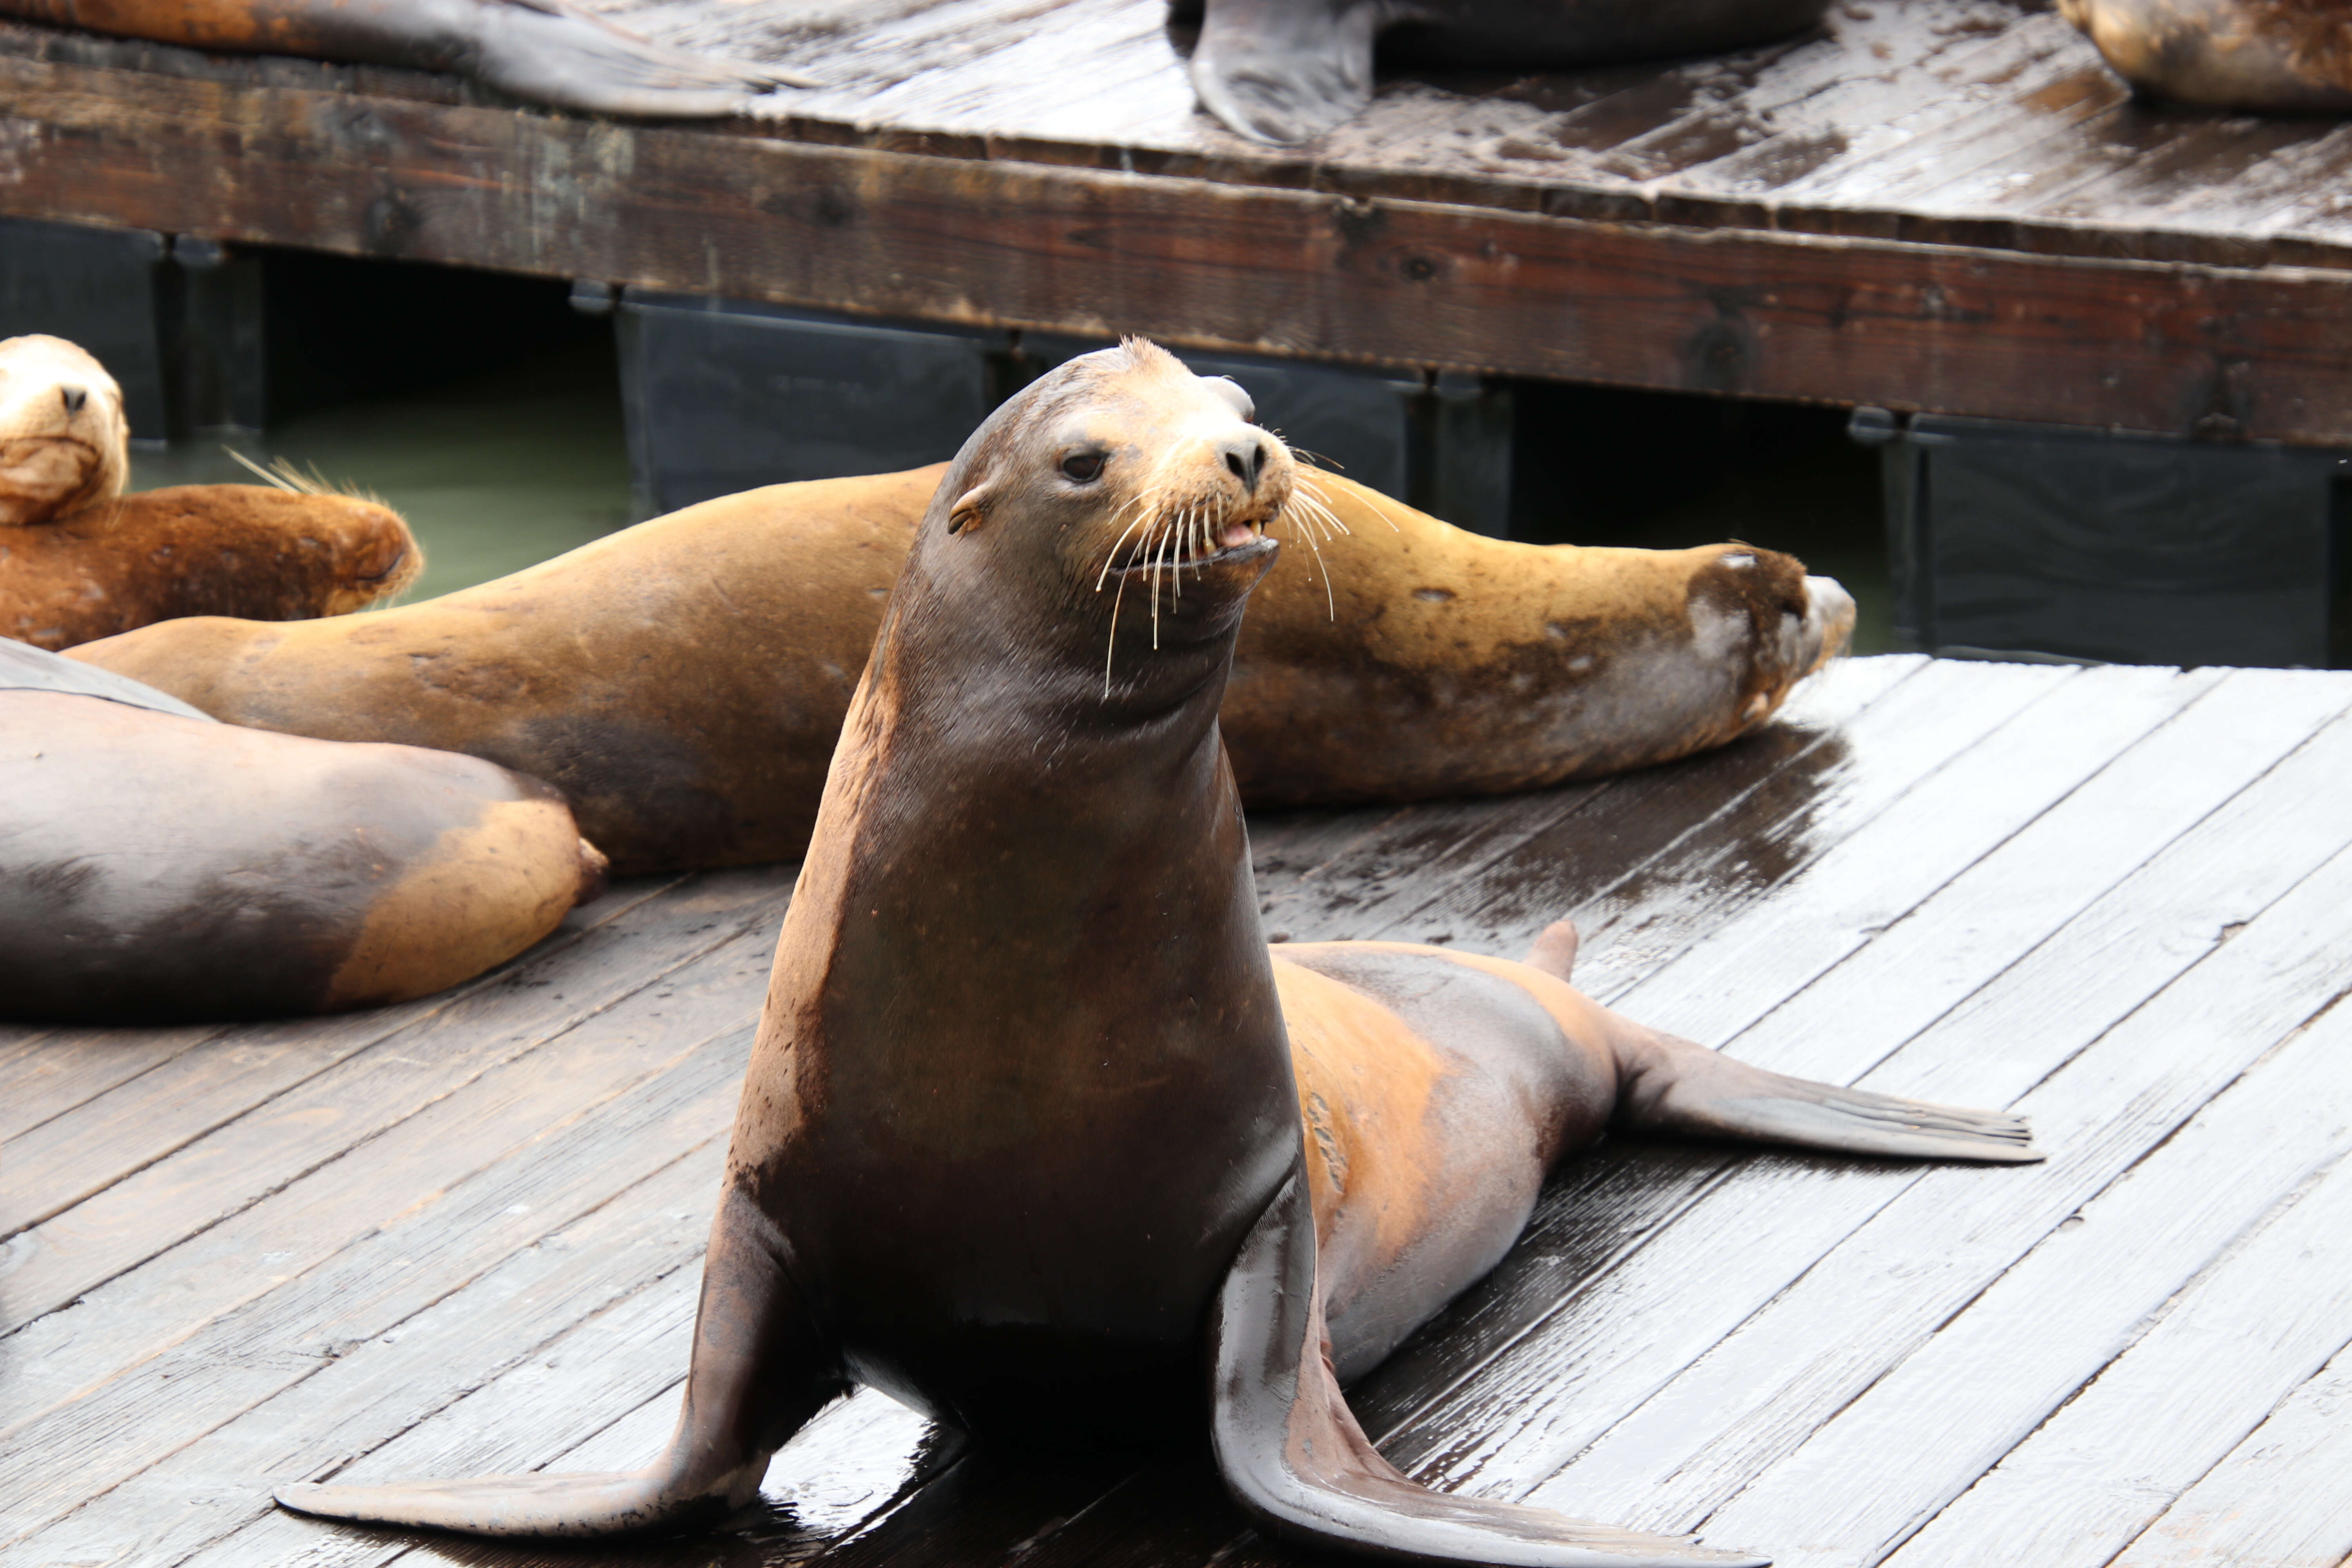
column 63, row 442
column 1038, row 1132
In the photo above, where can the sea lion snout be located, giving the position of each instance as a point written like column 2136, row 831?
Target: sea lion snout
column 64, row 443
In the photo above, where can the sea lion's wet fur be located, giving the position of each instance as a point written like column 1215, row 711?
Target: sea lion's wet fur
column 2282, row 57
column 63, row 442
column 247, row 550
column 1037, row 1133
column 548, row 51
column 683, row 681
column 163, row 868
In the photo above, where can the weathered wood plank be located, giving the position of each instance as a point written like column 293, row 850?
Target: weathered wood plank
column 2257, row 1509
column 1861, row 1483
column 371, row 1237
column 2254, row 1328
column 2116, row 1074
column 1279, row 270
column 342, row 1086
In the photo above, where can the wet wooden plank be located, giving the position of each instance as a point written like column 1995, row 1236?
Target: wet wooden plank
column 367, row 1239
column 2116, row 1072
column 2254, row 1328
column 194, row 1081
column 54, row 1070
column 1236, row 260
column 364, row 1086
column 2257, row 1508
column 1861, row 1483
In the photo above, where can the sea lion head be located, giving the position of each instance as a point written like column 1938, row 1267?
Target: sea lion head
column 64, row 443
column 1113, row 515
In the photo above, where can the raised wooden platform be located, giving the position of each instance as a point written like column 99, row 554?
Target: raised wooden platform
column 1942, row 205
column 462, row 1234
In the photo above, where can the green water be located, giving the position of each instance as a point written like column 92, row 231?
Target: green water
column 493, row 473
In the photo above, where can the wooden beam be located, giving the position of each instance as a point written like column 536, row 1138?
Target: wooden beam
column 2140, row 345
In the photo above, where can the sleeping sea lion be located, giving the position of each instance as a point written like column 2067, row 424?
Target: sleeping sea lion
column 1038, row 1135
column 64, row 443
column 2277, row 56
column 548, row 51
column 683, row 682
column 200, row 549
column 157, row 866
column 1288, row 71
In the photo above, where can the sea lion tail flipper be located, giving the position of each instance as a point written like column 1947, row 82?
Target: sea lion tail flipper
column 1285, row 71
column 552, row 52
column 1294, row 1458
column 760, row 1371
column 1674, row 1086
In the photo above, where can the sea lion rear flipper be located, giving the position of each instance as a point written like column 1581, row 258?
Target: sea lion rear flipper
column 1674, row 1086
column 760, row 1371
column 1295, row 1459
column 1285, row 71
column 551, row 52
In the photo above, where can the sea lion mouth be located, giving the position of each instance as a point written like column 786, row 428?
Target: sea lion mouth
column 1194, row 550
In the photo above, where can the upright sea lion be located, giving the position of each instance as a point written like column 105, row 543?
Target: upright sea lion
column 1288, row 71
column 156, row 865
column 2278, row 57
column 548, row 51
column 64, row 443
column 200, row 549
column 683, row 682
column 1038, row 1135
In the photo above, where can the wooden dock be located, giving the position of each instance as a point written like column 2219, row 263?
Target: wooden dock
column 462, row 1234
column 1941, row 205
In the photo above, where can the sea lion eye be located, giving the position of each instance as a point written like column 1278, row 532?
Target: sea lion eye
column 1084, row 468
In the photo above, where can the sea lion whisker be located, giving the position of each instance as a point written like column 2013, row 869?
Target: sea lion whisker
column 1110, row 558
column 1111, row 644
column 1319, row 500
column 1331, row 602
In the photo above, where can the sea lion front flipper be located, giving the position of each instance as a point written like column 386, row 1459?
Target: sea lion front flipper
column 1670, row 1085
column 761, row 1370
column 551, row 52
column 1295, row 1459
column 1285, row 71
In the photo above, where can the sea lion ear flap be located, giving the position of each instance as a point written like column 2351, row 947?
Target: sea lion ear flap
column 970, row 509
column 1292, row 1455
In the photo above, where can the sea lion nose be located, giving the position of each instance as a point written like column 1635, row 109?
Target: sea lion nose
column 74, row 397
column 1245, row 460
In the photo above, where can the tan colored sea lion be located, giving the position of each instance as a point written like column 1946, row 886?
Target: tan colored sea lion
column 200, row 549
column 682, row 682
column 162, row 867
column 64, row 443
column 2276, row 57
column 1038, row 1135
column 545, row 50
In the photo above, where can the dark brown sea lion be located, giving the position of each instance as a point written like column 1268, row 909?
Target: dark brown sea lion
column 683, row 682
column 1038, row 1135
column 156, row 865
column 545, row 50
column 1288, row 71
column 64, row 443
column 200, row 549
column 2278, row 57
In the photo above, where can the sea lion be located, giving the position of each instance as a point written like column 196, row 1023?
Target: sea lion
column 63, row 442
column 548, row 51
column 683, row 681
column 157, row 866
column 2275, row 57
column 1289, row 70
column 1038, row 1135
column 200, row 549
